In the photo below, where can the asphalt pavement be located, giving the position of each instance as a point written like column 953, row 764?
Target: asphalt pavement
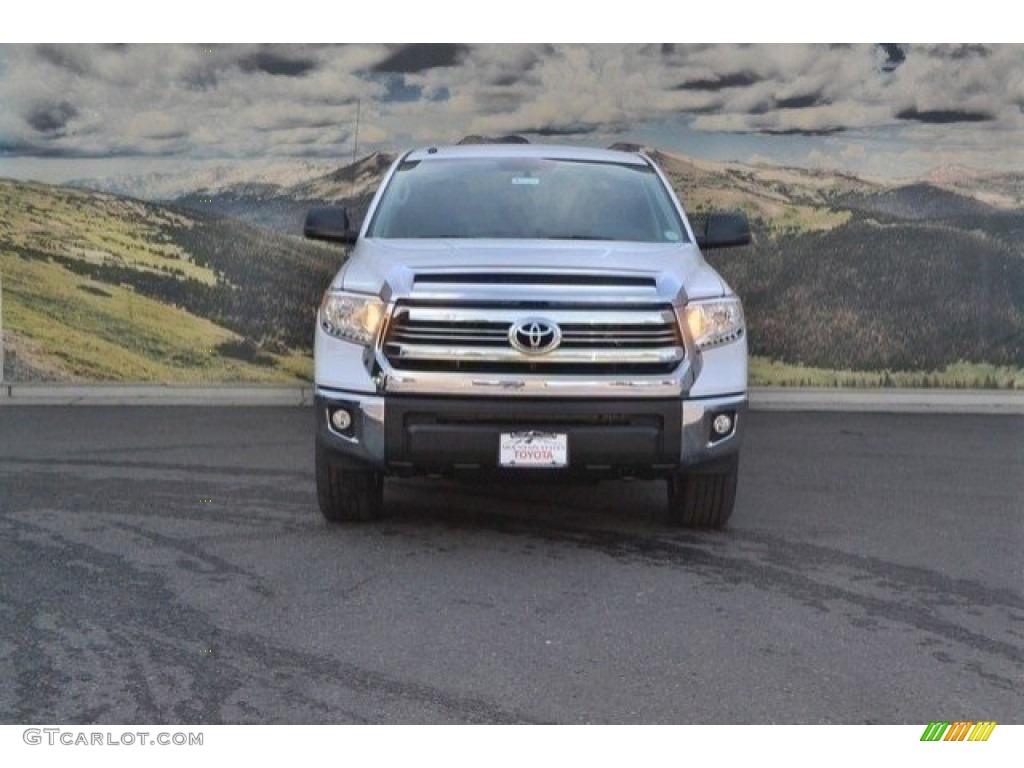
column 169, row 565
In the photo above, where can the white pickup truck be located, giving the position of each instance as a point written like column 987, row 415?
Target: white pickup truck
column 525, row 310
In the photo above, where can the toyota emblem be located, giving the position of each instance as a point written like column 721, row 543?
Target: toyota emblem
column 534, row 336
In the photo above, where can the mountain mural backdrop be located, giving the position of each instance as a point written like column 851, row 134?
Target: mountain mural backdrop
column 204, row 278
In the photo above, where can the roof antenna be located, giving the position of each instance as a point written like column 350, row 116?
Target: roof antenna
column 355, row 149
column 355, row 142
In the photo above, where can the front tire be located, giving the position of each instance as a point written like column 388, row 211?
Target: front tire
column 703, row 497
column 346, row 494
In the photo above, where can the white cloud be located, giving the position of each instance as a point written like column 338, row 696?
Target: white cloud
column 253, row 101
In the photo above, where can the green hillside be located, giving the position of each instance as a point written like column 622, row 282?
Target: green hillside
column 97, row 287
column 882, row 296
column 856, row 283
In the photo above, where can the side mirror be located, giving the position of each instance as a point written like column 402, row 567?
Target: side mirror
column 724, row 230
column 329, row 223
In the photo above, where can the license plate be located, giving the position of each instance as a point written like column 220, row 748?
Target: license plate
column 534, row 449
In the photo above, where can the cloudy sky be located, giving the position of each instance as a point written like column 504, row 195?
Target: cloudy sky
column 885, row 109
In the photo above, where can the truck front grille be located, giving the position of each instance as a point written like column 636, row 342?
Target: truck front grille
column 479, row 339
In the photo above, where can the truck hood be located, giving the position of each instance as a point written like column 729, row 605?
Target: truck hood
column 585, row 271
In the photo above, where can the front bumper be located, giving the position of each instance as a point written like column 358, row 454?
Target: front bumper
column 613, row 437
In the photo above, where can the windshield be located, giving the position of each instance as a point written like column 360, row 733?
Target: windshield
column 526, row 198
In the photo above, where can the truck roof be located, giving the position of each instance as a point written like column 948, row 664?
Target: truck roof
column 549, row 151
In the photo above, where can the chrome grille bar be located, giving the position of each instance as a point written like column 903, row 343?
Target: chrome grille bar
column 476, row 338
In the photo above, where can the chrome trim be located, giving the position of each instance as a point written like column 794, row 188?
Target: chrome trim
column 675, row 384
column 611, row 356
column 534, row 336
column 484, row 335
column 480, row 335
column 562, row 317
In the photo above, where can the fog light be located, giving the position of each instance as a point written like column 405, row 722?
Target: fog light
column 722, row 425
column 341, row 419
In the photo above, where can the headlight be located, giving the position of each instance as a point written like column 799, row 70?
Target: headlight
column 714, row 323
column 350, row 317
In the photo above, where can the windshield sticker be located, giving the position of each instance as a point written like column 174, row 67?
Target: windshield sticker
column 525, row 180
